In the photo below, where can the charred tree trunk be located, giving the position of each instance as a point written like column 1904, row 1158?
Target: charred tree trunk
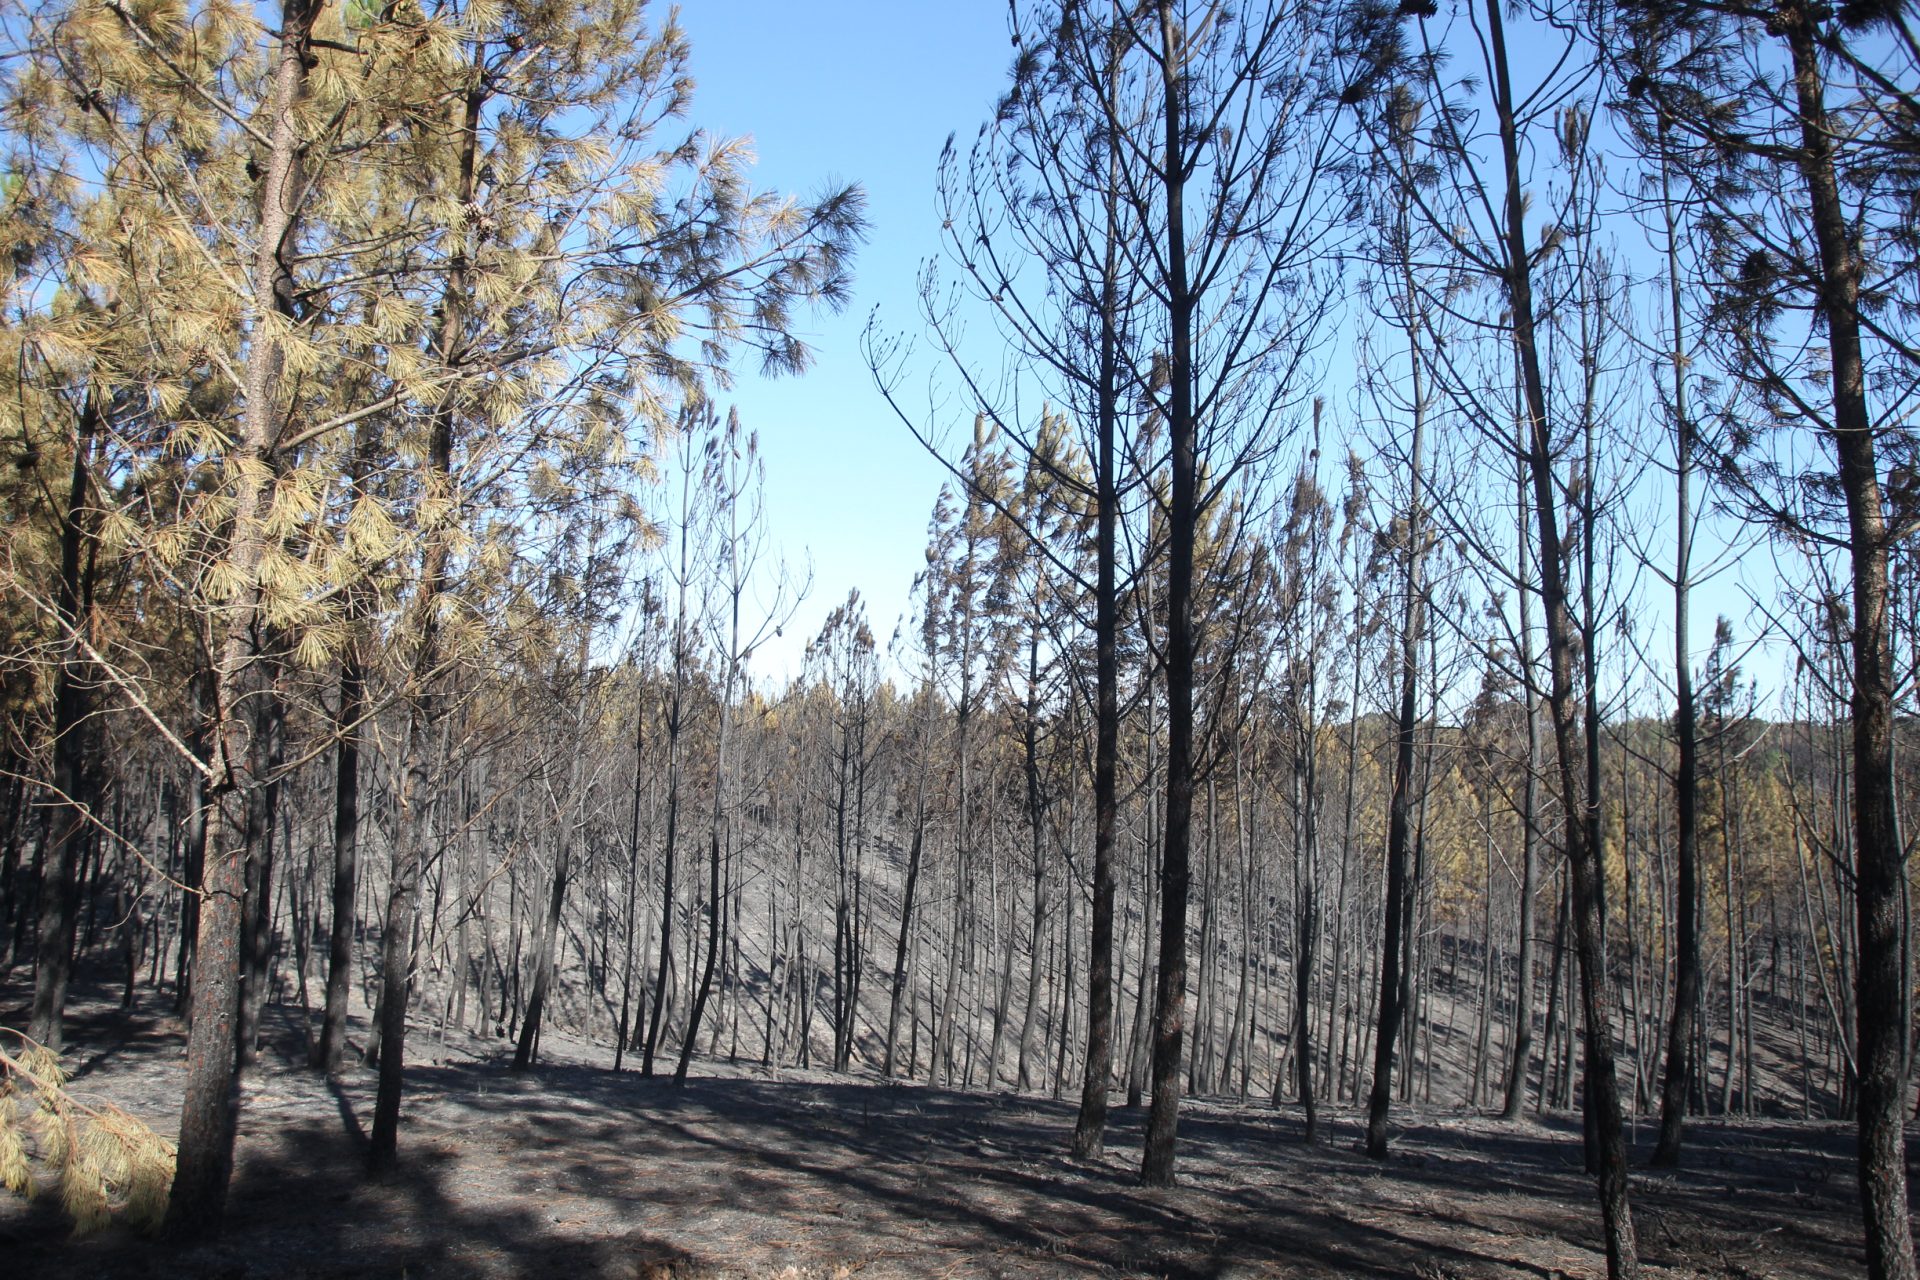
column 1879, row 860
column 903, row 948
column 209, row 1112
column 346, row 861
column 69, row 820
column 414, row 807
column 263, row 808
column 1170, row 991
column 1397, row 946
column 1563, row 642
column 1089, row 1130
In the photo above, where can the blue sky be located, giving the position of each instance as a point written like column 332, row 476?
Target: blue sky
column 869, row 92
column 865, row 92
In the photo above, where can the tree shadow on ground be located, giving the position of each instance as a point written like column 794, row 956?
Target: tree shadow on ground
column 572, row 1172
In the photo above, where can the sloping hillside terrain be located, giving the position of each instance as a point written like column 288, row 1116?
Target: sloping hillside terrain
column 575, row 1171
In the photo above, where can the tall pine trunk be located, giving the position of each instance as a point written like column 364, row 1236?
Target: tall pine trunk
column 1563, row 642
column 1170, row 990
column 68, row 821
column 1686, row 788
column 1089, row 1130
column 414, row 803
column 1396, row 948
column 210, row 1104
column 346, row 860
column 903, row 947
column 1879, row 859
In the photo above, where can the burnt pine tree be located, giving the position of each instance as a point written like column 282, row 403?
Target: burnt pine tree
column 68, row 819
column 694, row 514
column 1795, row 126
column 1054, row 126
column 1041, row 187
column 1676, row 1085
column 1484, row 219
column 1240, row 218
column 733, row 476
column 1186, row 249
column 1563, row 645
column 209, row 1114
column 1402, row 142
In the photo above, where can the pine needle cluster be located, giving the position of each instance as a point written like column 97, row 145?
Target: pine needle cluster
column 102, row 1162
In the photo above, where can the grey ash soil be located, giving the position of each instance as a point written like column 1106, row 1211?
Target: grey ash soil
column 573, row 1172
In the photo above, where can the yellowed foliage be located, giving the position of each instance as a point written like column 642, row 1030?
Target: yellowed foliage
column 102, row 1162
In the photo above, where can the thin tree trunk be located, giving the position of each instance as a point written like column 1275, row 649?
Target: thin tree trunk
column 346, row 859
column 1686, row 737
column 543, row 958
column 1623, row 1261
column 902, row 949
column 620, row 1044
column 676, row 711
column 256, row 930
column 1521, row 1065
column 414, row 807
column 1306, row 873
column 1397, row 946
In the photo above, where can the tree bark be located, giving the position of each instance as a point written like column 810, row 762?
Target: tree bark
column 414, row 807
column 902, row 948
column 1089, row 1130
column 1170, row 991
column 1686, row 781
column 68, row 822
column 1879, row 862
column 346, row 861
column 263, row 807
column 210, row 1105
column 1562, row 643
column 526, row 1046
column 1396, row 947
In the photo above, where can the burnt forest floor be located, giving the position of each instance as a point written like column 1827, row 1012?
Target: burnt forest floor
column 573, row 1172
